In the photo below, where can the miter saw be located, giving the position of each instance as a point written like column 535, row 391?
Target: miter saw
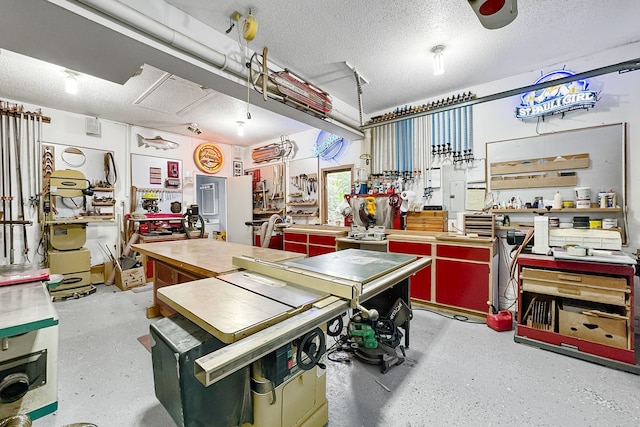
column 367, row 212
column 374, row 339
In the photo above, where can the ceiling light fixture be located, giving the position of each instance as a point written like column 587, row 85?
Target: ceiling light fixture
column 240, row 128
column 71, row 84
column 193, row 127
column 438, row 60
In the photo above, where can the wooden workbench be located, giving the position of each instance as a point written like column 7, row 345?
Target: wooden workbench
column 187, row 260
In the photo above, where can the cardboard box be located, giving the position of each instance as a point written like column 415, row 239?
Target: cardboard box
column 126, row 279
column 132, row 278
column 602, row 330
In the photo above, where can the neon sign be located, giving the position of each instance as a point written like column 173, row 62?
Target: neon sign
column 328, row 146
column 556, row 99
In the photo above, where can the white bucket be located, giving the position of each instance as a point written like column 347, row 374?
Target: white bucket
column 609, row 223
column 583, row 192
column 583, row 203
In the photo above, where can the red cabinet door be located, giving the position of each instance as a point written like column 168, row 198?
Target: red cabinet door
column 295, row 247
column 295, row 237
column 421, row 281
column 316, row 239
column 412, row 248
column 421, row 284
column 320, row 250
column 462, row 284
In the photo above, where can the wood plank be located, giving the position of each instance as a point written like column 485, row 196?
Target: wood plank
column 226, row 311
column 574, row 161
column 208, row 257
column 502, row 183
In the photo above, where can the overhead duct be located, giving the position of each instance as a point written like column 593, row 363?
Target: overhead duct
column 137, row 20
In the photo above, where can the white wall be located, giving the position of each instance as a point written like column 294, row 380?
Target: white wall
column 619, row 102
column 69, row 129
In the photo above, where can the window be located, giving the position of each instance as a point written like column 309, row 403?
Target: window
column 337, row 183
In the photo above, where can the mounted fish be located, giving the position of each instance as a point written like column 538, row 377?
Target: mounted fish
column 157, row 142
column 288, row 87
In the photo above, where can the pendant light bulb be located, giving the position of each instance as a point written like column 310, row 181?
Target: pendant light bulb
column 438, row 60
column 240, row 128
column 71, row 84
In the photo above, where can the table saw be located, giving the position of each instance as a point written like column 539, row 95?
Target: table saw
column 250, row 344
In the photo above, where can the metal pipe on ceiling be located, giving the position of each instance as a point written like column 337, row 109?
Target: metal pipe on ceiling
column 141, row 22
column 621, row 67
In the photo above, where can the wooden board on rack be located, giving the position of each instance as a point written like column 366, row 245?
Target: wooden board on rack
column 532, row 181
column 567, row 162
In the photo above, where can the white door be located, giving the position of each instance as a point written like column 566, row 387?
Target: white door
column 239, row 210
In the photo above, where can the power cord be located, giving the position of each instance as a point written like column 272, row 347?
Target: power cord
column 458, row 317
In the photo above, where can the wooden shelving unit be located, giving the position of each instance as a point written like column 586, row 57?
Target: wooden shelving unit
column 482, row 225
column 580, row 309
column 563, row 210
column 313, row 203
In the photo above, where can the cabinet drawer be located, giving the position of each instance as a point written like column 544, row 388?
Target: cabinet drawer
column 320, row 250
column 612, row 332
column 410, row 248
column 295, row 247
column 322, row 240
column 463, row 253
column 575, row 278
column 571, row 289
column 295, row 237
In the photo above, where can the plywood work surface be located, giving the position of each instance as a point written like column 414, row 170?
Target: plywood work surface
column 207, row 257
column 226, row 311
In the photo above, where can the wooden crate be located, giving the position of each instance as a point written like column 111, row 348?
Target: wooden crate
column 435, row 221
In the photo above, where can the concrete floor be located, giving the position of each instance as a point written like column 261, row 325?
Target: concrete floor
column 457, row 374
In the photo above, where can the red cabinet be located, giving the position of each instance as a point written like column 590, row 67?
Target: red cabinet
column 462, row 276
column 421, row 281
column 587, row 307
column 462, row 284
column 310, row 241
column 276, row 241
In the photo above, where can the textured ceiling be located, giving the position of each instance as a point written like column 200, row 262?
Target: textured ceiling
column 388, row 42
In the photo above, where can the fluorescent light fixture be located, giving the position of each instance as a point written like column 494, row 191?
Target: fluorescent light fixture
column 71, row 84
column 193, row 127
column 240, row 128
column 438, row 60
